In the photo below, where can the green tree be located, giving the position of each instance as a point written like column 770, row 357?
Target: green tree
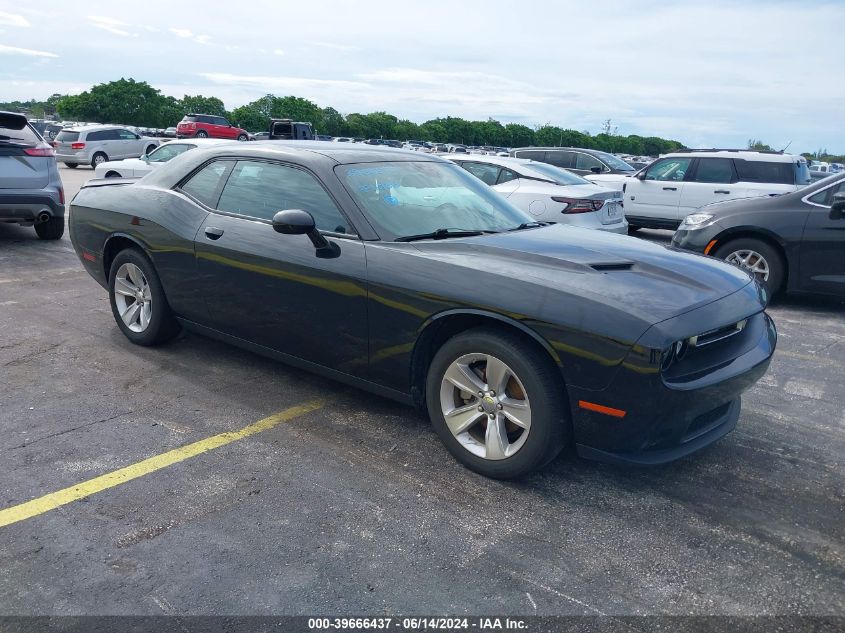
column 203, row 105
column 758, row 145
column 124, row 101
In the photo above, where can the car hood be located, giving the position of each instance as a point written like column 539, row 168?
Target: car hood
column 649, row 281
column 727, row 208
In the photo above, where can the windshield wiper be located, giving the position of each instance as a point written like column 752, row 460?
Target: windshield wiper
column 442, row 234
column 528, row 225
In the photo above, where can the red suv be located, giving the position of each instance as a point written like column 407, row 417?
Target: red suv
column 209, row 126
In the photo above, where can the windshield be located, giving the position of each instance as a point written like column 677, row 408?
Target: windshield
column 557, row 175
column 802, row 173
column 168, row 151
column 614, row 163
column 412, row 198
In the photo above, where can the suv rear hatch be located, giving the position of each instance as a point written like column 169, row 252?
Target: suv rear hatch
column 24, row 156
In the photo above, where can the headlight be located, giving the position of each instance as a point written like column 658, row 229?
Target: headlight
column 696, row 221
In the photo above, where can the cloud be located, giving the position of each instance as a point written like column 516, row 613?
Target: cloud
column 287, row 85
column 29, row 52
column 278, row 51
column 189, row 35
column 109, row 24
column 13, row 19
column 336, row 47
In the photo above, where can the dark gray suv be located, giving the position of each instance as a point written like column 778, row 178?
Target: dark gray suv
column 31, row 192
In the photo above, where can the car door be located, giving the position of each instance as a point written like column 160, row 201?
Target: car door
column 222, row 129
column 658, row 194
column 711, row 180
column 272, row 289
column 130, row 144
column 822, row 258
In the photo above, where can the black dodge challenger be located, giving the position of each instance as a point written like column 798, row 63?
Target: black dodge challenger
column 404, row 275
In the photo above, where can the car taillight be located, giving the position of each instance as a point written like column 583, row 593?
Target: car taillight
column 41, row 150
column 579, row 205
column 77, row 145
column 61, row 196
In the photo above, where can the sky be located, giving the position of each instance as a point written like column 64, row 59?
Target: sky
column 706, row 73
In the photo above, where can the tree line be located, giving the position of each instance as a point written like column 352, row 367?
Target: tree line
column 137, row 103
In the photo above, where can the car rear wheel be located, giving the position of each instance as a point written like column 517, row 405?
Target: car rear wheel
column 52, row 229
column 202, row 134
column 756, row 257
column 497, row 403
column 98, row 159
column 71, row 165
column 137, row 300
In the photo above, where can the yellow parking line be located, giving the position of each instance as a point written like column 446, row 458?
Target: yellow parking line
column 62, row 497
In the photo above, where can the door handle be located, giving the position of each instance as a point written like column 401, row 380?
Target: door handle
column 213, row 233
column 721, row 191
column 670, row 188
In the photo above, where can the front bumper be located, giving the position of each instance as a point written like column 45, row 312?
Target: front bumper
column 698, row 239
column 669, row 414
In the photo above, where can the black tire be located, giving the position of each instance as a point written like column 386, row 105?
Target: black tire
column 71, row 165
column 94, row 162
column 243, row 137
column 150, row 149
column 162, row 325
column 112, row 174
column 52, row 229
column 774, row 260
column 550, row 420
column 202, row 134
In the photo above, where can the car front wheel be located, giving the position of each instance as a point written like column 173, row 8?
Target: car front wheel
column 757, row 258
column 98, row 159
column 137, row 300
column 242, row 137
column 497, row 403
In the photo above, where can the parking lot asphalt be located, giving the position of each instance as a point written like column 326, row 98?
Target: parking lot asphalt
column 355, row 506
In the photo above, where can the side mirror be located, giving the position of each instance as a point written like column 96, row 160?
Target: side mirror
column 145, row 158
column 595, row 170
column 640, row 175
column 299, row 222
column 837, row 209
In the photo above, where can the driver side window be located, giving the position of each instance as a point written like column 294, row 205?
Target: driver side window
column 670, row 169
column 258, row 189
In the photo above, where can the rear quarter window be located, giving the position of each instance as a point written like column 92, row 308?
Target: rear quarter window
column 205, row 185
column 764, row 171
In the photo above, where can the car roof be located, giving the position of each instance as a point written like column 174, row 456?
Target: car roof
column 563, row 149
column 310, row 154
column 767, row 157
column 94, row 128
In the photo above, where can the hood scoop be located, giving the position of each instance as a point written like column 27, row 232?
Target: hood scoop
column 604, row 267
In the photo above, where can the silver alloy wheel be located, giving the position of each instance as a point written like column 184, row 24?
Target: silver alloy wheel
column 485, row 406
column 99, row 159
column 750, row 261
column 132, row 297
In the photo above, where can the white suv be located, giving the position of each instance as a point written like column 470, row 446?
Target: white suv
column 675, row 185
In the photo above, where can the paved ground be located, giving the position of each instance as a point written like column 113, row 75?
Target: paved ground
column 356, row 507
